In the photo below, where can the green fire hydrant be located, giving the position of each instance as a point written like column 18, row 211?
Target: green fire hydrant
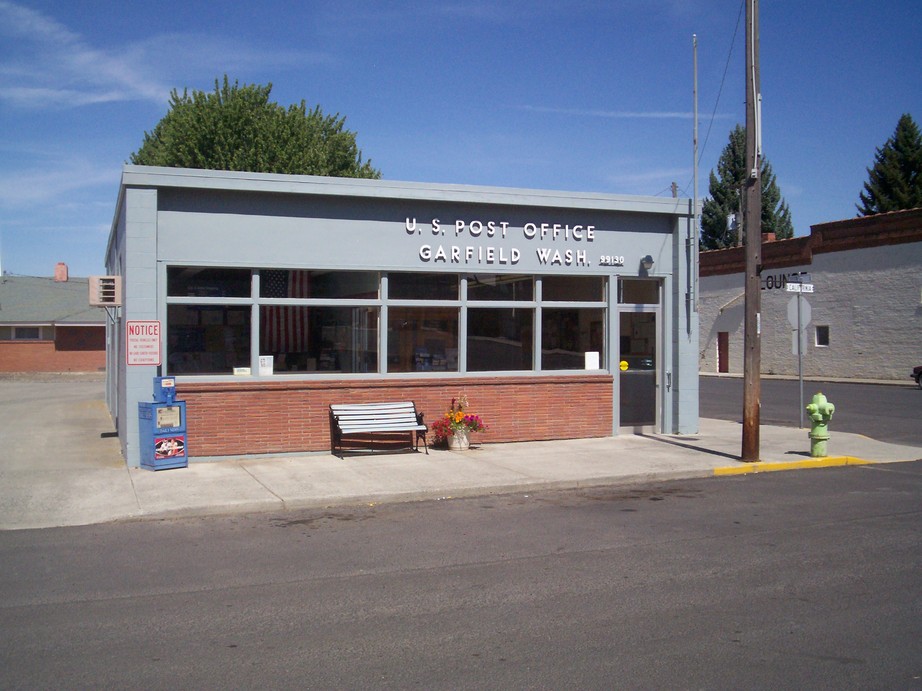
column 820, row 411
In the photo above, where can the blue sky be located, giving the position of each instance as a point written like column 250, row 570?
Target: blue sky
column 580, row 96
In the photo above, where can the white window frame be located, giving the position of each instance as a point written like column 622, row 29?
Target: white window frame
column 816, row 336
column 18, row 336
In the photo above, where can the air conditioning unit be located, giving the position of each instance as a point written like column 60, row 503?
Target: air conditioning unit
column 105, row 291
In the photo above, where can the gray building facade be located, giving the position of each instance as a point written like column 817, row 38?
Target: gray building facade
column 270, row 296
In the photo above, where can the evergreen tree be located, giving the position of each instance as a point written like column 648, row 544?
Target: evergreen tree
column 724, row 200
column 239, row 128
column 895, row 181
column 776, row 216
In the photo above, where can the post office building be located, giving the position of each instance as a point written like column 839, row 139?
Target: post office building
column 270, row 297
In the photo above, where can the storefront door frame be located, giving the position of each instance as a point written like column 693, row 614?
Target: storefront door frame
column 655, row 309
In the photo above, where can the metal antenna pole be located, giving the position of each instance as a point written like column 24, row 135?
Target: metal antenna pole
column 800, row 347
column 694, row 248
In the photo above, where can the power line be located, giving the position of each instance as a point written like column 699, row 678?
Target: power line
column 723, row 80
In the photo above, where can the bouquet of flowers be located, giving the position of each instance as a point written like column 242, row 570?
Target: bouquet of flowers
column 457, row 420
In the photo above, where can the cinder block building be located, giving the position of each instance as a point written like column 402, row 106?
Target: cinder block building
column 861, row 320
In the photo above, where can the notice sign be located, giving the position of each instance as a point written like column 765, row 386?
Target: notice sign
column 143, row 342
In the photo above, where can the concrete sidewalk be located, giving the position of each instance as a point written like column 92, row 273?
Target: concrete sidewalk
column 62, row 466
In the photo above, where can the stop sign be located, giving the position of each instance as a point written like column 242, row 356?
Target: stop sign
column 804, row 312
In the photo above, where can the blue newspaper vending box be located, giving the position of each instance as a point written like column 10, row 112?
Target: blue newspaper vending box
column 162, row 428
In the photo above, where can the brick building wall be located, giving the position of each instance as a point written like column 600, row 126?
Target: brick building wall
column 226, row 419
column 75, row 352
column 80, row 338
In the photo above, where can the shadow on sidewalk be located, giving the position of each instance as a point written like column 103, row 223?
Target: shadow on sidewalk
column 693, row 447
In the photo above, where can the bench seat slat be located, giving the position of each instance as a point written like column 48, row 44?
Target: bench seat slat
column 344, row 419
column 403, row 422
column 382, row 428
column 374, row 424
column 371, row 407
column 375, row 421
column 399, row 415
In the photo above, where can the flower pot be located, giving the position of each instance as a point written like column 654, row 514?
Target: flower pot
column 460, row 440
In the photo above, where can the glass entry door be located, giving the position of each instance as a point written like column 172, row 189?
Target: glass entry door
column 638, row 369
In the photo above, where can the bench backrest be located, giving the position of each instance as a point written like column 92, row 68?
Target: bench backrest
column 403, row 412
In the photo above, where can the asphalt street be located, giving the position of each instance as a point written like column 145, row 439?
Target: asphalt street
column 889, row 412
column 804, row 579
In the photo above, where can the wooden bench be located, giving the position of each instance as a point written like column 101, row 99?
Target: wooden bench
column 374, row 418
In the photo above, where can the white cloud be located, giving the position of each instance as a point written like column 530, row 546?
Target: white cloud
column 617, row 114
column 212, row 56
column 51, row 66
column 19, row 188
column 42, row 97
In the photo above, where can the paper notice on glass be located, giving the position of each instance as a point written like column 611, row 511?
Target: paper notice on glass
column 592, row 359
column 266, row 365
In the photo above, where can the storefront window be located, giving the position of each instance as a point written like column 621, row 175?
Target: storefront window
column 297, row 283
column 207, row 339
column 422, row 339
column 306, row 324
column 183, row 281
column 638, row 291
column 319, row 339
column 420, row 286
column 499, row 339
column 568, row 334
column 500, row 287
column 573, row 288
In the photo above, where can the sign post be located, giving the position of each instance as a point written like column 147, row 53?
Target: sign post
column 799, row 317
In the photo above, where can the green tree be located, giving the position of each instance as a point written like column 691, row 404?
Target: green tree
column 895, row 181
column 239, row 128
column 724, row 199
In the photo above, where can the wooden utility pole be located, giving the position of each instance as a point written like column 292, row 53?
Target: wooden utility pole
column 752, row 226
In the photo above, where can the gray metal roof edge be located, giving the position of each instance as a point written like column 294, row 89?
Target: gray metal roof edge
column 150, row 176
column 113, row 228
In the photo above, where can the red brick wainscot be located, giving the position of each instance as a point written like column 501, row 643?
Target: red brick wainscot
column 52, row 356
column 247, row 418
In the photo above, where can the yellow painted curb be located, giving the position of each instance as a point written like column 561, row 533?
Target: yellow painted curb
column 767, row 466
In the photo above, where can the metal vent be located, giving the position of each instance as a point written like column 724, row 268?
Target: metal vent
column 105, row 291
